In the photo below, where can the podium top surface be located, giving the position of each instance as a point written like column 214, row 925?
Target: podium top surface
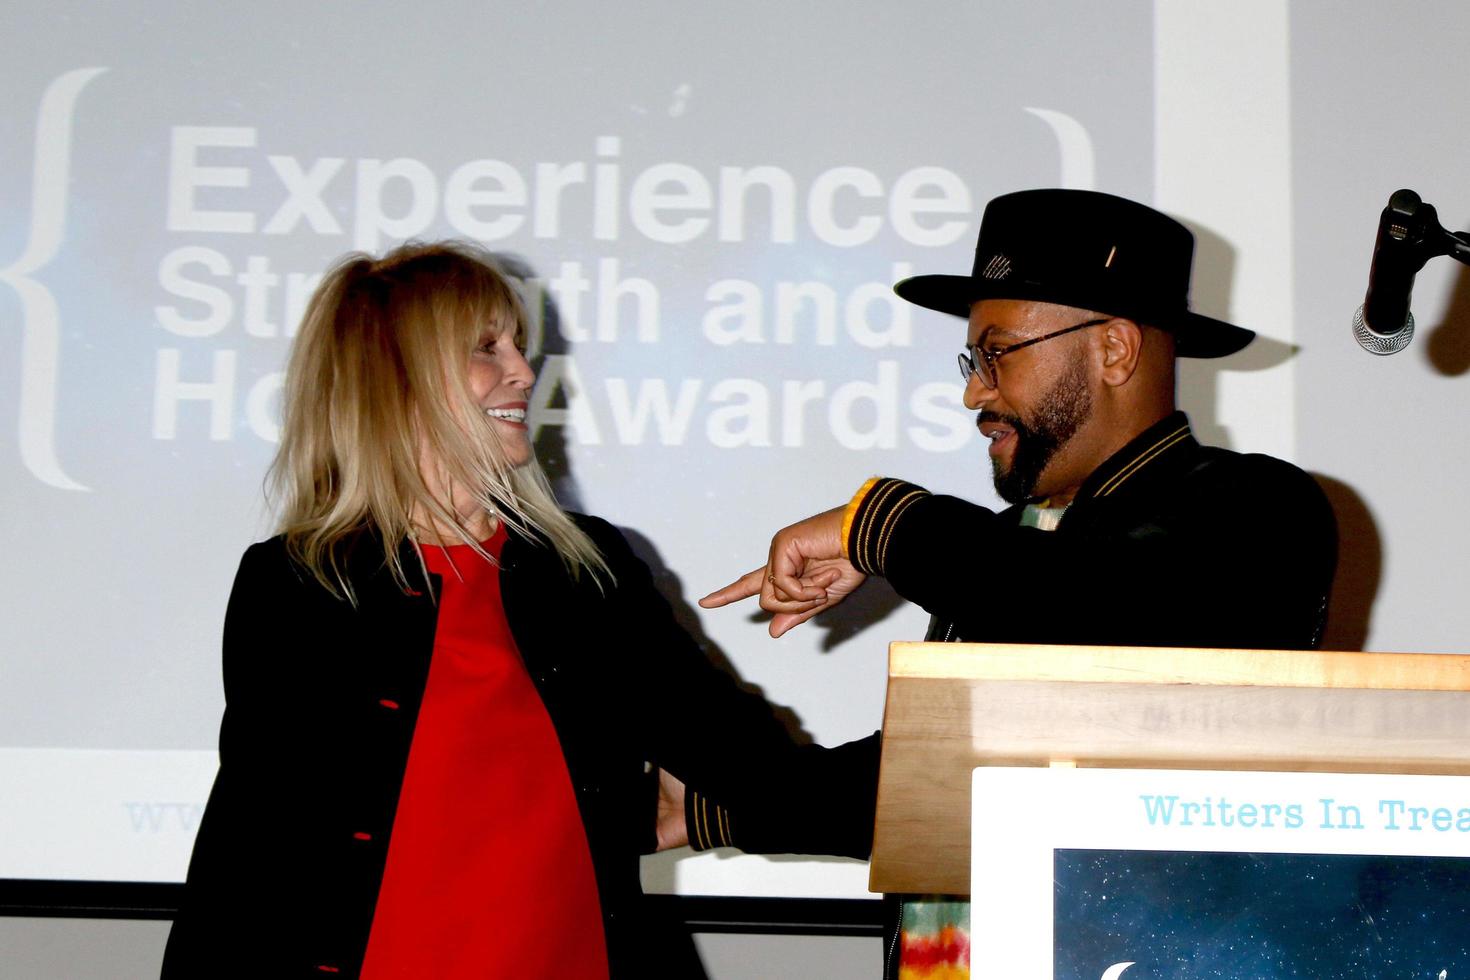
column 1178, row 665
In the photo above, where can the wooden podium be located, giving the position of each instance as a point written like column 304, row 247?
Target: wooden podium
column 952, row 707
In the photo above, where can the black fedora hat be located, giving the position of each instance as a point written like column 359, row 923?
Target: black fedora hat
column 1085, row 249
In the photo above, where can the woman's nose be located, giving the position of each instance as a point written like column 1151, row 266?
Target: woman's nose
column 519, row 371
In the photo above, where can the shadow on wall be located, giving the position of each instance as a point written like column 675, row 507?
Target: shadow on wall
column 1359, row 568
column 1448, row 349
column 1209, row 293
column 1199, row 379
column 671, row 588
column 1199, row 385
column 549, row 340
column 874, row 602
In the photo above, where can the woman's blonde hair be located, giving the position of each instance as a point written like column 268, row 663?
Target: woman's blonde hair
column 378, row 381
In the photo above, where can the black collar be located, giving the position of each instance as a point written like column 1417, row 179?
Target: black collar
column 1167, row 440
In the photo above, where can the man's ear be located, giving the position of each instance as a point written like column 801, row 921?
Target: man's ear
column 1122, row 342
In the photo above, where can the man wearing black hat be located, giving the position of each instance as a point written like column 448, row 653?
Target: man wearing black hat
column 1122, row 528
column 1077, row 308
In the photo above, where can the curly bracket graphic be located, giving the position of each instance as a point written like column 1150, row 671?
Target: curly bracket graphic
column 1078, row 168
column 40, row 345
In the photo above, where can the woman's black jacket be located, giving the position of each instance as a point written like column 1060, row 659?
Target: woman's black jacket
column 321, row 700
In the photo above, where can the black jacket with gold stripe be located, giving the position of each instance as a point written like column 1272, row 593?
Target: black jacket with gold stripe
column 1168, row 543
column 321, row 702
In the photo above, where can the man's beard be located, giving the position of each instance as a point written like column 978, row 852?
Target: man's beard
column 1063, row 410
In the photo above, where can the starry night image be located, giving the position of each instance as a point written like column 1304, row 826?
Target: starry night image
column 1211, row 916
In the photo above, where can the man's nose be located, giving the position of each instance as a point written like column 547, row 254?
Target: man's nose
column 976, row 394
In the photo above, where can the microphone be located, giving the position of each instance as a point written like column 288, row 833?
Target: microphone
column 1383, row 324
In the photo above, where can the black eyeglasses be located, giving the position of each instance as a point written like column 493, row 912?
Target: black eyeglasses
column 981, row 361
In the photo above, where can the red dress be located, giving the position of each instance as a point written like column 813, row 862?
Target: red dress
column 488, row 872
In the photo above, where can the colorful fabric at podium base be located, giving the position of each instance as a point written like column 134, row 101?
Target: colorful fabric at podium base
column 934, row 940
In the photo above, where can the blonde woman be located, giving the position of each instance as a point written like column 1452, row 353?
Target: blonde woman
column 446, row 698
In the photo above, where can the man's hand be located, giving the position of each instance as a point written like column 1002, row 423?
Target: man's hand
column 672, row 830
column 804, row 574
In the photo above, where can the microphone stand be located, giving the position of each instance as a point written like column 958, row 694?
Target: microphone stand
column 1419, row 224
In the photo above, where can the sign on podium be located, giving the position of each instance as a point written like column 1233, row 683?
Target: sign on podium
column 1167, row 811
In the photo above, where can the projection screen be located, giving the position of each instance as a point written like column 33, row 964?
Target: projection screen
column 708, row 206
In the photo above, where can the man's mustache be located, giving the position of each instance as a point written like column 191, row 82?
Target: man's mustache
column 1010, row 421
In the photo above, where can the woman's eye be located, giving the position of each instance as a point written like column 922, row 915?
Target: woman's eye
column 497, row 345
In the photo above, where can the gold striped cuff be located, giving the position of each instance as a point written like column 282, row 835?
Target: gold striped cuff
column 851, row 512
column 708, row 822
column 875, row 514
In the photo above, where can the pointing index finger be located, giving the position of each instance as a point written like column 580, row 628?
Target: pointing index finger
column 743, row 587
